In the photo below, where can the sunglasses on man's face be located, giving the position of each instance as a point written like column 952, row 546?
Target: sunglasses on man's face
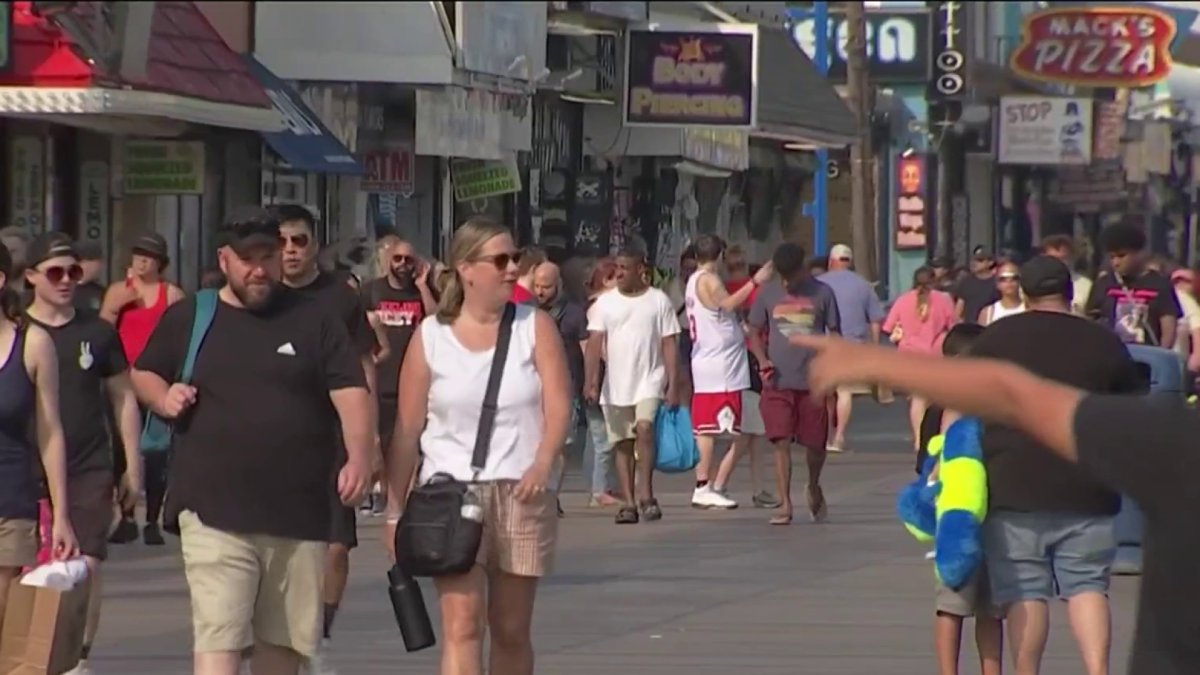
column 501, row 261
column 1008, row 277
column 297, row 240
column 57, row 273
column 401, row 259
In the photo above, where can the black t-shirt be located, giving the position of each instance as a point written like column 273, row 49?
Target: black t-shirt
column 401, row 311
column 255, row 453
column 1022, row 475
column 332, row 292
column 931, row 425
column 976, row 294
column 89, row 296
column 89, row 353
column 572, row 326
column 1146, row 448
column 1134, row 309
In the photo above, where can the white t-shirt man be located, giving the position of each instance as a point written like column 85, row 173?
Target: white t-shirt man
column 634, row 327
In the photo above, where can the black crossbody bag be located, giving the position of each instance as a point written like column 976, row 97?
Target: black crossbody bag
column 442, row 526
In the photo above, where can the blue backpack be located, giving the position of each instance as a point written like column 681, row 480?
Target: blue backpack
column 676, row 444
column 157, row 432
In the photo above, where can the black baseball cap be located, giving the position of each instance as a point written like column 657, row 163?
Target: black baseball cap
column 982, row 253
column 47, row 246
column 151, row 244
column 248, row 227
column 939, row 262
column 1044, row 276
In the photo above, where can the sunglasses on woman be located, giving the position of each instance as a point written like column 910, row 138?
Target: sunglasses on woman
column 57, row 273
column 501, row 261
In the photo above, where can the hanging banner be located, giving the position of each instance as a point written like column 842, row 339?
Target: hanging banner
column 93, row 204
column 478, row 179
column 1044, row 130
column 1103, row 46
column 27, row 187
column 163, row 167
column 911, row 213
column 691, row 78
column 389, row 169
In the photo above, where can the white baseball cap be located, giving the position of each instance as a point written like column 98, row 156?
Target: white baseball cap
column 841, row 252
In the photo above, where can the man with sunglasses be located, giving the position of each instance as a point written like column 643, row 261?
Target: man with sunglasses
column 297, row 230
column 978, row 289
column 93, row 374
column 399, row 300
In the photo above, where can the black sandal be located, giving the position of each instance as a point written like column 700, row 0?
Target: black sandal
column 651, row 510
column 627, row 515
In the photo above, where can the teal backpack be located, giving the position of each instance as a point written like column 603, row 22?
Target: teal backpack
column 157, row 432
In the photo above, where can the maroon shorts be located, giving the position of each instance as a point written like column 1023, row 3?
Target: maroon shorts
column 795, row 415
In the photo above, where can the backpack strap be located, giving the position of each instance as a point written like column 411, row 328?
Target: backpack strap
column 206, row 309
column 487, row 416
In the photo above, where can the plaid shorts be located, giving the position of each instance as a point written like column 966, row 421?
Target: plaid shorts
column 518, row 537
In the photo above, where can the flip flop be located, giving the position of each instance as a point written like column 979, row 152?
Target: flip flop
column 834, row 448
column 781, row 519
column 817, row 507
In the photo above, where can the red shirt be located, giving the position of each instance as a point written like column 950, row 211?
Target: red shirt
column 521, row 296
column 732, row 287
column 135, row 323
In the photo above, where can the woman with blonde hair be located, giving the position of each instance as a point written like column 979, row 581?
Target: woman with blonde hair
column 440, row 403
column 1008, row 285
column 917, row 322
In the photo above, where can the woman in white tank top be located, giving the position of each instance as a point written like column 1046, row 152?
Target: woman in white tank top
column 440, row 399
column 1008, row 283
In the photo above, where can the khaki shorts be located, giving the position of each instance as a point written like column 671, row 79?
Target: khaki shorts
column 518, row 538
column 248, row 588
column 975, row 598
column 621, row 420
column 752, row 421
column 18, row 542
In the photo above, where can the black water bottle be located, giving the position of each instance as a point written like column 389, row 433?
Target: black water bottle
column 409, row 607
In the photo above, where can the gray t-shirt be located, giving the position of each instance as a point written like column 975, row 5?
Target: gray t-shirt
column 806, row 307
column 858, row 306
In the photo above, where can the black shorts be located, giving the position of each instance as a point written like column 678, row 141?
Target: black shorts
column 387, row 422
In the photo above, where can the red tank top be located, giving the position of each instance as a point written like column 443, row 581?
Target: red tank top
column 135, row 324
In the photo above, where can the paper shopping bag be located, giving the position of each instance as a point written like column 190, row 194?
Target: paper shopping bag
column 43, row 630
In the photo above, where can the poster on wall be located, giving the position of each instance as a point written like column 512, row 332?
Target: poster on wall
column 680, row 78
column 163, row 167
column 1045, row 131
column 27, row 188
column 93, row 204
column 911, row 212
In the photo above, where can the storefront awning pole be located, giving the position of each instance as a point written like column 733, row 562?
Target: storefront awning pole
column 818, row 208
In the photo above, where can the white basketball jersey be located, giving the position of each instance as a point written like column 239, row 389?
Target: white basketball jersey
column 719, row 361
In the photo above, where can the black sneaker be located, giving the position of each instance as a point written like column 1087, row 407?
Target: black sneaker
column 125, row 532
column 152, row 535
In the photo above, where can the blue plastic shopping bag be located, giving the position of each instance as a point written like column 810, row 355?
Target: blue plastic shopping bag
column 676, row 446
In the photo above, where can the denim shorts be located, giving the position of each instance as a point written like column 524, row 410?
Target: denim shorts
column 1040, row 556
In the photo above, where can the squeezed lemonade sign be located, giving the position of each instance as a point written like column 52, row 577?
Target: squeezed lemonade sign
column 690, row 78
column 164, row 167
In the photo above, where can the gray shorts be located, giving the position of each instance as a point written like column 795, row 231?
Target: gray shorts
column 1040, row 556
column 973, row 598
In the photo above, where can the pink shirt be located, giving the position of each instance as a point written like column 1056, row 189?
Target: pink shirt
column 917, row 335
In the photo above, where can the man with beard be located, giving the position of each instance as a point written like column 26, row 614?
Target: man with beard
column 571, row 320
column 297, row 231
column 398, row 301
column 255, row 433
column 91, row 364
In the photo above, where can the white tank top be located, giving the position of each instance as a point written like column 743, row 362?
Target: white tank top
column 997, row 311
column 457, row 381
column 719, row 361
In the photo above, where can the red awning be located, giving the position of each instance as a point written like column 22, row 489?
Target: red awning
column 188, row 66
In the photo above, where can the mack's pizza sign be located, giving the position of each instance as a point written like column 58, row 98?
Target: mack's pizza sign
column 1096, row 46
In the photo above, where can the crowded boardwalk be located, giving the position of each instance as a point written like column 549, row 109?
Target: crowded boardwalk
column 700, row 592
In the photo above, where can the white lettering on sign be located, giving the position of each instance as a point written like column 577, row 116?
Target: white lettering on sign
column 1095, row 57
column 895, row 40
column 667, row 71
column 1103, row 25
column 295, row 119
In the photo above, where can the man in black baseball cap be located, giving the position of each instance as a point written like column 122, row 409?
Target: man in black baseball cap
column 286, row 358
column 978, row 289
column 1046, row 282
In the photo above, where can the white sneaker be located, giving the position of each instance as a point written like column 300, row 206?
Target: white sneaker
column 707, row 498
column 80, row 668
column 319, row 663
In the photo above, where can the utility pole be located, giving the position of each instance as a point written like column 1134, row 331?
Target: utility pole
column 858, row 91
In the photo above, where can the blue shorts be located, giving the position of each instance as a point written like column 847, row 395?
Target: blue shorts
column 1039, row 556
